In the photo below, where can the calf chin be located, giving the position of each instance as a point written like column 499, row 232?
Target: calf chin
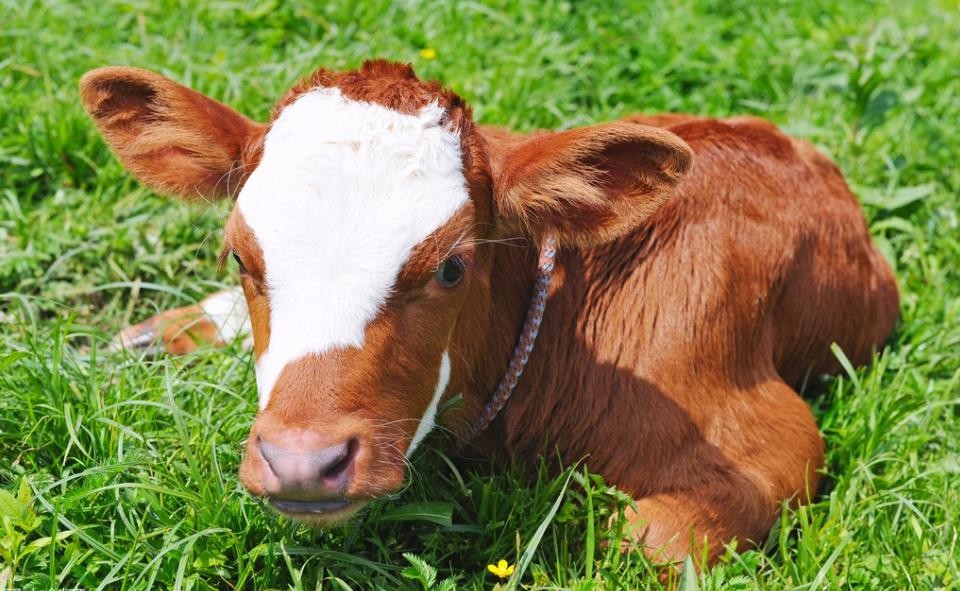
column 325, row 519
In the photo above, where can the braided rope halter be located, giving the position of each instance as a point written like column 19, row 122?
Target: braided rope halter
column 527, row 339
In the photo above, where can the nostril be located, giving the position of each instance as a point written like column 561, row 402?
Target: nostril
column 341, row 465
column 299, row 469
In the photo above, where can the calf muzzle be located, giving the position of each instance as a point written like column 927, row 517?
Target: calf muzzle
column 307, row 472
column 303, row 473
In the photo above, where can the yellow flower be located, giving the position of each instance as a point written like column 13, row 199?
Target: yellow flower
column 428, row 53
column 501, row 569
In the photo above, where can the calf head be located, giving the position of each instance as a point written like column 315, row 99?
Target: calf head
column 366, row 213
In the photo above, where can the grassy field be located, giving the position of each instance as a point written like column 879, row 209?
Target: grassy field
column 120, row 472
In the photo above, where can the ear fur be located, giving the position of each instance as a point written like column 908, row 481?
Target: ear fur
column 175, row 140
column 592, row 184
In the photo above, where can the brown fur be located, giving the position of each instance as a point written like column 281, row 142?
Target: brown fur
column 179, row 331
column 598, row 182
column 174, row 139
column 709, row 265
column 239, row 238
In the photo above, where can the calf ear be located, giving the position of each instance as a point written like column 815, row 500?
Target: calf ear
column 173, row 139
column 590, row 185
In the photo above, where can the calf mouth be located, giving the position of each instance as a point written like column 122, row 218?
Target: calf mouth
column 324, row 513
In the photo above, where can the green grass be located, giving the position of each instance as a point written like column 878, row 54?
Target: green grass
column 126, row 467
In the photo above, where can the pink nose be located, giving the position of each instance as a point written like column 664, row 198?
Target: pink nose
column 298, row 468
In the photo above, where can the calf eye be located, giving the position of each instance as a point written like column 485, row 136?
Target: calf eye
column 240, row 265
column 450, row 272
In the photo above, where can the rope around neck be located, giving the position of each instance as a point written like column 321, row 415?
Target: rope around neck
column 526, row 341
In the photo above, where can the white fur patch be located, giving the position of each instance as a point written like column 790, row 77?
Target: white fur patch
column 344, row 192
column 228, row 310
column 429, row 419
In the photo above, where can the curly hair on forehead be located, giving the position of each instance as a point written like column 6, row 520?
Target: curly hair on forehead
column 391, row 84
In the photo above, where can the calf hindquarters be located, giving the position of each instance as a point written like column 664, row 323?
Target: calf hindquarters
column 801, row 273
column 841, row 290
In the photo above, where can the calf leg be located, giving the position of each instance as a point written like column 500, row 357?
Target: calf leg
column 761, row 450
column 699, row 521
column 216, row 320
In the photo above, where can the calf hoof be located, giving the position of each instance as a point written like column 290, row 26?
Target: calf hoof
column 215, row 321
column 140, row 338
column 176, row 332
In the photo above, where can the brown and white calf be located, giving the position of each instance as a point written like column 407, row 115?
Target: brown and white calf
column 388, row 250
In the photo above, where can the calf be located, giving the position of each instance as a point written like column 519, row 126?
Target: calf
column 688, row 272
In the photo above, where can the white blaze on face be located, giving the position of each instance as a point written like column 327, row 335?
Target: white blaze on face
column 429, row 419
column 344, row 192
